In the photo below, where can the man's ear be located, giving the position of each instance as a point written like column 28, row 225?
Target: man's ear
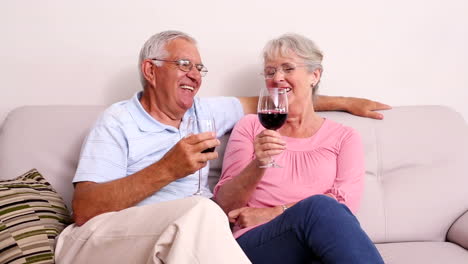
column 147, row 70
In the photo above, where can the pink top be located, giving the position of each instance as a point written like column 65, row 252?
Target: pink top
column 329, row 162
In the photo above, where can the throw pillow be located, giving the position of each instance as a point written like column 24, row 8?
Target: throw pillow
column 32, row 214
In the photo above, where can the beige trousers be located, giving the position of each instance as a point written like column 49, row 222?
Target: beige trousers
column 190, row 230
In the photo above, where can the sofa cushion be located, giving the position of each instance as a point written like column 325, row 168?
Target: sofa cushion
column 458, row 232
column 416, row 160
column 32, row 214
column 422, row 252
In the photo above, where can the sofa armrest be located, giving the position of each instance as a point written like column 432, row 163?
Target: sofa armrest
column 458, row 232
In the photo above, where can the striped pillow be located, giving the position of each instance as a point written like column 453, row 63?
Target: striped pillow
column 32, row 214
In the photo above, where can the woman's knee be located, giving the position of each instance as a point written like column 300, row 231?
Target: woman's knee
column 320, row 201
column 322, row 205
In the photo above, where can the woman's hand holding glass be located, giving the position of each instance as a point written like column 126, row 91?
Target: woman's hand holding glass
column 267, row 144
column 272, row 112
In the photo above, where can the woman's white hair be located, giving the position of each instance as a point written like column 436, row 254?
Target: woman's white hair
column 292, row 43
column 155, row 47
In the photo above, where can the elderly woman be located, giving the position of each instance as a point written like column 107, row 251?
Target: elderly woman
column 301, row 213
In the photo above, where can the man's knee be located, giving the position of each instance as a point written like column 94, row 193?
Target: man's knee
column 209, row 207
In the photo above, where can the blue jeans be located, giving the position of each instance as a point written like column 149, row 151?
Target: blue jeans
column 315, row 230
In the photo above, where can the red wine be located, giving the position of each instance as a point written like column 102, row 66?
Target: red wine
column 208, row 150
column 272, row 120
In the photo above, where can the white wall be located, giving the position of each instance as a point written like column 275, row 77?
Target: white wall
column 84, row 52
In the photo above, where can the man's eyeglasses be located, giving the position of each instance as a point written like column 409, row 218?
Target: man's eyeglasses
column 186, row 65
column 269, row 72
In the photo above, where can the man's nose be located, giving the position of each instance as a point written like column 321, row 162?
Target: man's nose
column 194, row 73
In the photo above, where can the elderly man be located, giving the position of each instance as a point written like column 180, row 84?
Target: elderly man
column 133, row 186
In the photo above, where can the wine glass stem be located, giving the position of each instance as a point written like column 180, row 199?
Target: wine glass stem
column 199, row 191
column 199, row 180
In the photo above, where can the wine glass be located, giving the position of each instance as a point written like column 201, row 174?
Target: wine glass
column 200, row 125
column 272, row 112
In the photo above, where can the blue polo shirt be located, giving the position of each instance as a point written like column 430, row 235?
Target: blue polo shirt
column 126, row 139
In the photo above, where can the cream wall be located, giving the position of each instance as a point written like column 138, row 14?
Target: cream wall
column 84, row 52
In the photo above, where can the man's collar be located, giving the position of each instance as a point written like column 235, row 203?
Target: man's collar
column 144, row 120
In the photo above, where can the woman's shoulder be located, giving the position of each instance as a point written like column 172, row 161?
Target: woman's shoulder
column 248, row 120
column 340, row 130
column 249, row 124
column 250, row 117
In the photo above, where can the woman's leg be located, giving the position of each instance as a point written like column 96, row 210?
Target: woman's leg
column 317, row 227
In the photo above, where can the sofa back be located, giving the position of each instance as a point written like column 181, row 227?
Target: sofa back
column 416, row 163
column 47, row 138
column 416, row 172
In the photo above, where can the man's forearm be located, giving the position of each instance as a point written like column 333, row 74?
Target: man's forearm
column 321, row 103
column 249, row 104
column 329, row 103
column 91, row 199
column 356, row 106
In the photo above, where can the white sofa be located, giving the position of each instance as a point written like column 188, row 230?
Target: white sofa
column 415, row 206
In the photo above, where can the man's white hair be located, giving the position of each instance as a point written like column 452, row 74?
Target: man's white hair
column 155, row 47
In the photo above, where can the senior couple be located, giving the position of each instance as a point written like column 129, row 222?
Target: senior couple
column 133, row 198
